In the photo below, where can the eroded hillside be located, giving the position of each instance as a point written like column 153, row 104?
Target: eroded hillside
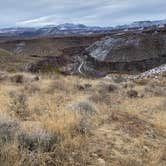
column 27, row 52
column 89, row 55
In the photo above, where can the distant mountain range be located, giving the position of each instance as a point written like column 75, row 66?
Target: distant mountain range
column 68, row 29
column 143, row 24
column 62, row 29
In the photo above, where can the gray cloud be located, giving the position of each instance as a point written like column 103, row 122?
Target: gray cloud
column 92, row 12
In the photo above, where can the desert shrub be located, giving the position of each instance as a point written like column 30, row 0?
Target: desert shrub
column 128, row 85
column 56, row 85
column 3, row 76
column 119, row 78
column 21, row 78
column 85, row 111
column 8, row 128
column 32, row 88
column 30, row 158
column 49, row 68
column 141, row 81
column 18, row 78
column 106, row 87
column 36, row 78
column 130, row 162
column 19, row 104
column 156, row 90
column 112, row 87
column 132, row 93
column 84, row 107
column 37, row 139
column 82, row 87
column 84, row 126
column 100, row 97
column 11, row 70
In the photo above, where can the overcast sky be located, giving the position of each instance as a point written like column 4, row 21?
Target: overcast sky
column 89, row 12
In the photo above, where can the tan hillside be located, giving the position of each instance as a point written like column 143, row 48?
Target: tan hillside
column 4, row 52
column 67, row 120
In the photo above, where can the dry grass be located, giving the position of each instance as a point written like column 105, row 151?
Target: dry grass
column 57, row 120
column 4, row 52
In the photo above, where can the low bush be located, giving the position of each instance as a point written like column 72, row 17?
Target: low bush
column 18, row 78
column 37, row 139
column 19, row 105
column 132, row 93
column 84, row 107
column 8, row 128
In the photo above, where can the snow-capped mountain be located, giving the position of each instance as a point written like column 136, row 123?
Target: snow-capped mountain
column 65, row 29
column 143, row 24
column 69, row 28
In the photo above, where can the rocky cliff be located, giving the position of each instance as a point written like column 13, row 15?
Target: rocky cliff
column 128, row 52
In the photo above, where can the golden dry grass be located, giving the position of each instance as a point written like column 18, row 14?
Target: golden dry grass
column 77, row 121
column 4, row 52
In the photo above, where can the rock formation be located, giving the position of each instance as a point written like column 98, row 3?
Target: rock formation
column 128, row 52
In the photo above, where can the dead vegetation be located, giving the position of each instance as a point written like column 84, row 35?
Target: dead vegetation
column 66, row 120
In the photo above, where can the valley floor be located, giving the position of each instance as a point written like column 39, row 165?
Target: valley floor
column 53, row 120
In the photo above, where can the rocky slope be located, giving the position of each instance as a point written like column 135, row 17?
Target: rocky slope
column 38, row 53
column 134, row 52
column 95, row 55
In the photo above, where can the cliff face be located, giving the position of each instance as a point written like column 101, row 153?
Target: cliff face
column 131, row 53
column 130, row 48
